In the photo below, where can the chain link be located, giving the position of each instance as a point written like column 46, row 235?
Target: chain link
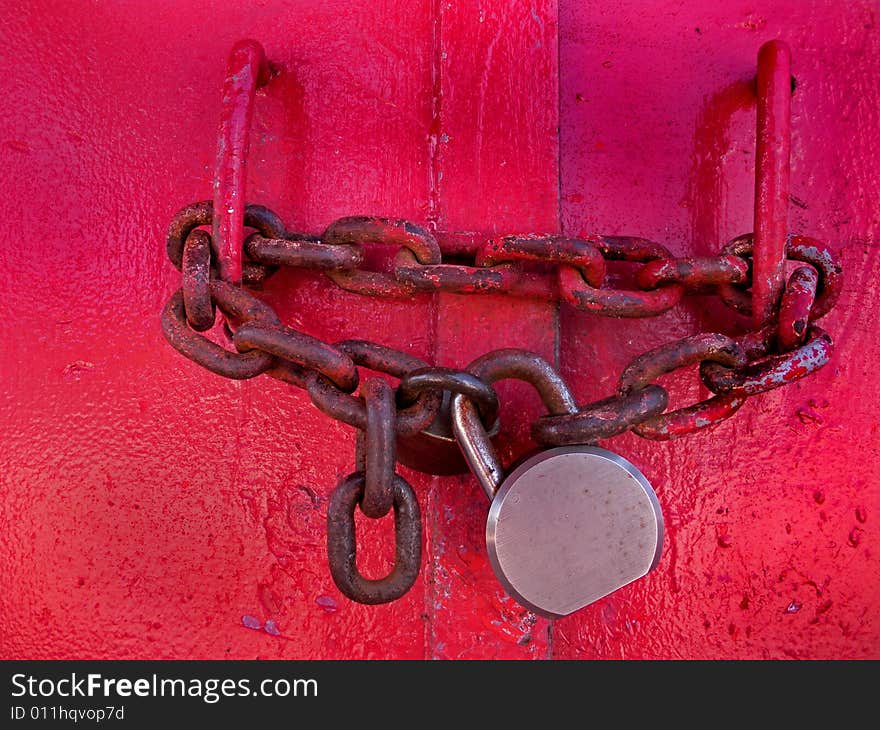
column 342, row 542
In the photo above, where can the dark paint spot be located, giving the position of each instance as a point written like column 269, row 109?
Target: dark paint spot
column 824, row 607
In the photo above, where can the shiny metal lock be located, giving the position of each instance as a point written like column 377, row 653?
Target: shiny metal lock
column 567, row 525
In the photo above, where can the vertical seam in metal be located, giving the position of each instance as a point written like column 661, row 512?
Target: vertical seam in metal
column 557, row 306
column 434, row 158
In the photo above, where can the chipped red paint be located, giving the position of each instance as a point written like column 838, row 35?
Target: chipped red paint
column 798, row 248
column 768, row 372
column 693, row 272
column 460, row 279
column 703, row 348
column 687, row 420
column 601, row 419
column 155, row 510
column 795, row 307
column 616, row 302
column 585, row 256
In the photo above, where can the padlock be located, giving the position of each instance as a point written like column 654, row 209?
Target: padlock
column 434, row 450
column 566, row 525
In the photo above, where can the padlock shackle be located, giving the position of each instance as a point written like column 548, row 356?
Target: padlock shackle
column 475, row 445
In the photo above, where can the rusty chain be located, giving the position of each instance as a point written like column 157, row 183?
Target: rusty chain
column 553, row 267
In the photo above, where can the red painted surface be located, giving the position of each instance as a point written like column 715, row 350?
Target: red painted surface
column 151, row 509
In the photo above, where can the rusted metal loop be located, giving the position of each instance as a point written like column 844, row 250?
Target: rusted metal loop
column 795, row 307
column 196, row 281
column 797, row 248
column 238, row 305
column 380, row 358
column 351, row 410
column 302, row 251
column 646, row 368
column 768, row 372
column 366, row 229
column 530, row 368
column 290, row 372
column 411, row 417
column 758, row 343
column 583, row 254
column 616, row 302
column 671, row 356
column 698, row 273
column 601, row 419
column 439, row 379
column 379, row 448
column 289, row 344
column 620, row 302
column 359, row 229
column 630, row 248
column 461, row 279
column 684, row 421
column 396, row 363
column 342, row 542
column 192, row 216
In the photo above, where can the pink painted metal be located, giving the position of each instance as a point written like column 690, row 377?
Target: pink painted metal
column 246, row 70
column 153, row 510
column 772, row 172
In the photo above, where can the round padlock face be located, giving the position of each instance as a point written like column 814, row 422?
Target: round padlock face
column 569, row 525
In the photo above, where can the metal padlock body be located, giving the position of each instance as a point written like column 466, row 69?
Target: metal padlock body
column 435, row 450
column 570, row 525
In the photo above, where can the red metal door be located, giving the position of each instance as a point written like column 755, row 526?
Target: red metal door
column 152, row 510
